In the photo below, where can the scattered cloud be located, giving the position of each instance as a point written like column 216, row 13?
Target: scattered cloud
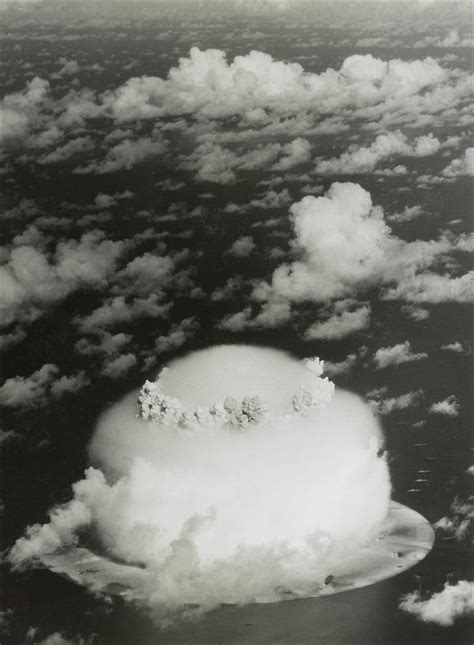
column 344, row 247
column 452, row 39
column 78, row 146
column 464, row 166
column 340, row 325
column 242, row 247
column 442, row 607
column 386, row 406
column 125, row 155
column 448, row 407
column 458, row 522
column 272, row 314
column 272, row 200
column 231, row 287
column 68, row 67
column 415, row 312
column 408, row 214
column 119, row 311
column 118, row 367
column 453, row 347
column 341, row 367
column 212, row 162
column 34, row 281
column 104, row 344
column 256, row 86
column 179, row 335
column 433, row 288
column 41, row 386
column 401, row 353
column 357, row 160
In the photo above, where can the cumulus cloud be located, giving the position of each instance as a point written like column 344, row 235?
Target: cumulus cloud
column 294, row 153
column 118, row 367
column 20, row 109
column 46, row 117
column 125, row 155
column 32, row 281
column 68, row 67
column 388, row 405
column 401, row 353
column 58, row 638
column 269, row 99
column 13, row 125
column 462, row 166
column 213, row 162
column 35, row 390
column 341, row 241
column 206, row 85
column 8, row 435
column 271, row 314
column 431, row 287
column 74, row 147
column 242, row 247
column 340, row 325
column 386, row 146
column 66, row 384
column 452, row 39
column 103, row 344
column 231, row 287
column 415, row 312
column 345, row 246
column 111, row 351
column 449, row 407
column 145, row 274
column 178, row 336
column 408, row 214
column 102, row 200
column 271, row 200
column 12, row 338
column 442, row 607
column 118, row 311
column 458, row 522
column 24, row 210
column 342, row 367
column 453, row 347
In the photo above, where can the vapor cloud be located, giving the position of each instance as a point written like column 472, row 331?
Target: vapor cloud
column 282, row 525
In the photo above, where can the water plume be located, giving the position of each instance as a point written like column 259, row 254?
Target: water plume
column 242, row 476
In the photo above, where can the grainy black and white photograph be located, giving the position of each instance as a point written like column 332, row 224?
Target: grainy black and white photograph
column 236, row 295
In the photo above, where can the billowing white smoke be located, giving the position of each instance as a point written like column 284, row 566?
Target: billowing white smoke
column 233, row 502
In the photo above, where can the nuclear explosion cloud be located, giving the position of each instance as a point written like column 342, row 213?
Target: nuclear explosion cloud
column 156, row 406
column 242, row 476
